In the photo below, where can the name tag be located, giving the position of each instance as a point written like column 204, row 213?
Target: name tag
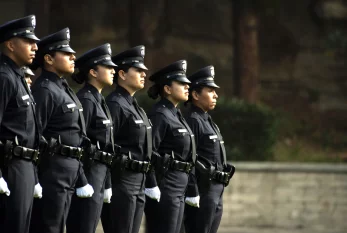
column 182, row 130
column 105, row 122
column 81, row 109
column 221, row 142
column 25, row 97
column 138, row 121
column 71, row 105
column 149, row 127
column 213, row 137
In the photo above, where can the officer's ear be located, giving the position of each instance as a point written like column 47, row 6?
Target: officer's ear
column 9, row 45
column 48, row 59
column 121, row 74
column 195, row 95
column 167, row 89
column 93, row 73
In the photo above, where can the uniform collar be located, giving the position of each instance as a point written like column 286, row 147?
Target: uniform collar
column 94, row 91
column 199, row 111
column 168, row 104
column 52, row 77
column 120, row 90
column 12, row 65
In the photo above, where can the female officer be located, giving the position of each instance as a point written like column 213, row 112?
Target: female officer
column 96, row 69
column 132, row 132
column 61, row 121
column 210, row 176
column 175, row 151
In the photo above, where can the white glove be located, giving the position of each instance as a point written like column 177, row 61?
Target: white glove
column 3, row 187
column 193, row 201
column 85, row 191
column 153, row 193
column 107, row 195
column 38, row 191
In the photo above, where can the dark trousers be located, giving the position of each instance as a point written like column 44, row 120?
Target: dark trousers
column 58, row 175
column 166, row 216
column 124, row 213
column 15, row 210
column 85, row 213
column 206, row 219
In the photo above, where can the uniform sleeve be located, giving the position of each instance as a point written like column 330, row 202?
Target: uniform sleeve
column 159, row 127
column 82, row 179
column 118, row 116
column 192, row 189
column 44, row 107
column 88, row 110
column 7, row 90
column 108, row 183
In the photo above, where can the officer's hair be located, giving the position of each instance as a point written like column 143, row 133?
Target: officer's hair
column 198, row 89
column 82, row 75
column 39, row 61
column 117, row 69
column 158, row 90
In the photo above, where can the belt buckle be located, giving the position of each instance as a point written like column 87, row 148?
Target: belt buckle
column 35, row 156
column 188, row 167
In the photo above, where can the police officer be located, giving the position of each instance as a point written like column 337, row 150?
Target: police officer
column 132, row 131
column 19, row 134
column 96, row 70
column 212, row 171
column 62, row 124
column 28, row 74
column 175, row 155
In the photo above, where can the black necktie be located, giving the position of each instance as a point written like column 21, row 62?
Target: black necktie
column 144, row 117
column 34, row 110
column 215, row 128
column 192, row 143
column 108, row 114
column 78, row 103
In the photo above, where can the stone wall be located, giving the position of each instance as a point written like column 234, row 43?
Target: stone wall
column 296, row 197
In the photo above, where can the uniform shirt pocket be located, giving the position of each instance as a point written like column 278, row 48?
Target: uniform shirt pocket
column 68, row 108
column 23, row 101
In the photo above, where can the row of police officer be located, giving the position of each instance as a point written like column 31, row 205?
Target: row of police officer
column 101, row 150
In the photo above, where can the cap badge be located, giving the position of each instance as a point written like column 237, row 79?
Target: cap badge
column 212, row 71
column 184, row 66
column 33, row 21
column 142, row 51
column 68, row 34
column 109, row 49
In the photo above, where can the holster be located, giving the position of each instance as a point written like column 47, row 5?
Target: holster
column 161, row 164
column 118, row 165
column 43, row 147
column 204, row 172
column 88, row 155
column 6, row 151
column 230, row 169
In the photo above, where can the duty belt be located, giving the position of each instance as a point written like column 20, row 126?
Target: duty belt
column 181, row 166
column 103, row 157
column 137, row 166
column 69, row 151
column 25, row 153
column 221, row 177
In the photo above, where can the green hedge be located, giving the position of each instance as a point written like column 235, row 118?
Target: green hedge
column 249, row 130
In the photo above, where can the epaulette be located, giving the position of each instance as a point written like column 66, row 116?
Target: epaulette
column 45, row 83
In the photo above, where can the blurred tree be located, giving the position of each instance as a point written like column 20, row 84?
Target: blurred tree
column 245, row 21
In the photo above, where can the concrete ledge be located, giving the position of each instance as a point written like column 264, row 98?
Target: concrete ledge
column 290, row 167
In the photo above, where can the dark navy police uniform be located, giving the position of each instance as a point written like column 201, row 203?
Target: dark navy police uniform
column 85, row 213
column 62, row 124
column 211, row 151
column 19, row 134
column 132, row 131
column 173, row 144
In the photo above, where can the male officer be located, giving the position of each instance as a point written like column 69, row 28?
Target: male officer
column 18, row 126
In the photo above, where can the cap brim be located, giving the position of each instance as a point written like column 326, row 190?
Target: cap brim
column 31, row 37
column 66, row 49
column 139, row 65
column 182, row 80
column 211, row 84
column 108, row 63
column 29, row 72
